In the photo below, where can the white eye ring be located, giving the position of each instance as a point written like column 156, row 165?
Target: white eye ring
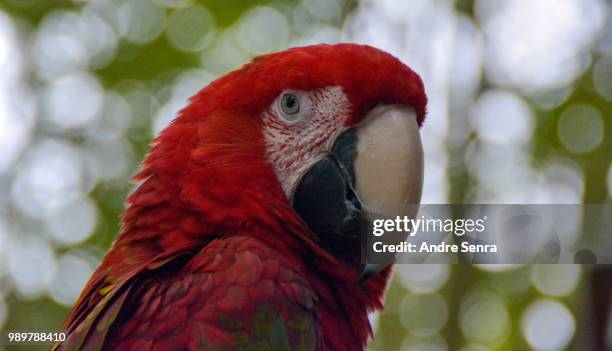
column 292, row 106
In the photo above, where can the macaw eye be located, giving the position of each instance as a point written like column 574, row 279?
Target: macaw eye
column 290, row 104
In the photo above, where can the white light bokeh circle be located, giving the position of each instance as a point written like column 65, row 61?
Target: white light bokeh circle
column 567, row 180
column 503, row 172
column 68, row 41
column 580, row 129
column 17, row 113
column 113, row 13
column 423, row 315
column 116, row 113
column 7, row 44
column 110, row 156
column 74, row 100
column 189, row 82
column 483, row 318
column 523, row 46
column 224, row 54
column 99, row 38
column 31, row 265
column 191, row 28
column 74, row 222
column 72, row 273
column 262, row 30
column 548, row 325
column 423, row 278
column 371, row 26
column 324, row 10
column 57, row 48
column 11, row 60
column 16, row 125
column 50, row 177
column 555, row 279
column 503, row 118
column 146, row 20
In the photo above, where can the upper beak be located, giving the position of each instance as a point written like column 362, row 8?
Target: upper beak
column 373, row 169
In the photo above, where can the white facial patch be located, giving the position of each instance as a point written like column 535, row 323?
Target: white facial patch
column 294, row 147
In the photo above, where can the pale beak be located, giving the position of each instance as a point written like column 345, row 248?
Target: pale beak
column 389, row 168
column 389, row 162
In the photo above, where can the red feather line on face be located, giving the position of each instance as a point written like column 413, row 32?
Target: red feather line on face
column 207, row 177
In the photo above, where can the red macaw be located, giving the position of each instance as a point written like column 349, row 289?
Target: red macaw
column 244, row 233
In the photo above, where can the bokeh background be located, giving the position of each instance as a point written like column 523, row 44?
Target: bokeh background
column 520, row 112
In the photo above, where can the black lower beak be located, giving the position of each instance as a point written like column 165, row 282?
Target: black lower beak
column 327, row 201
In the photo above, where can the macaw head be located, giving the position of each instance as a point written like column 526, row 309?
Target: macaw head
column 313, row 136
